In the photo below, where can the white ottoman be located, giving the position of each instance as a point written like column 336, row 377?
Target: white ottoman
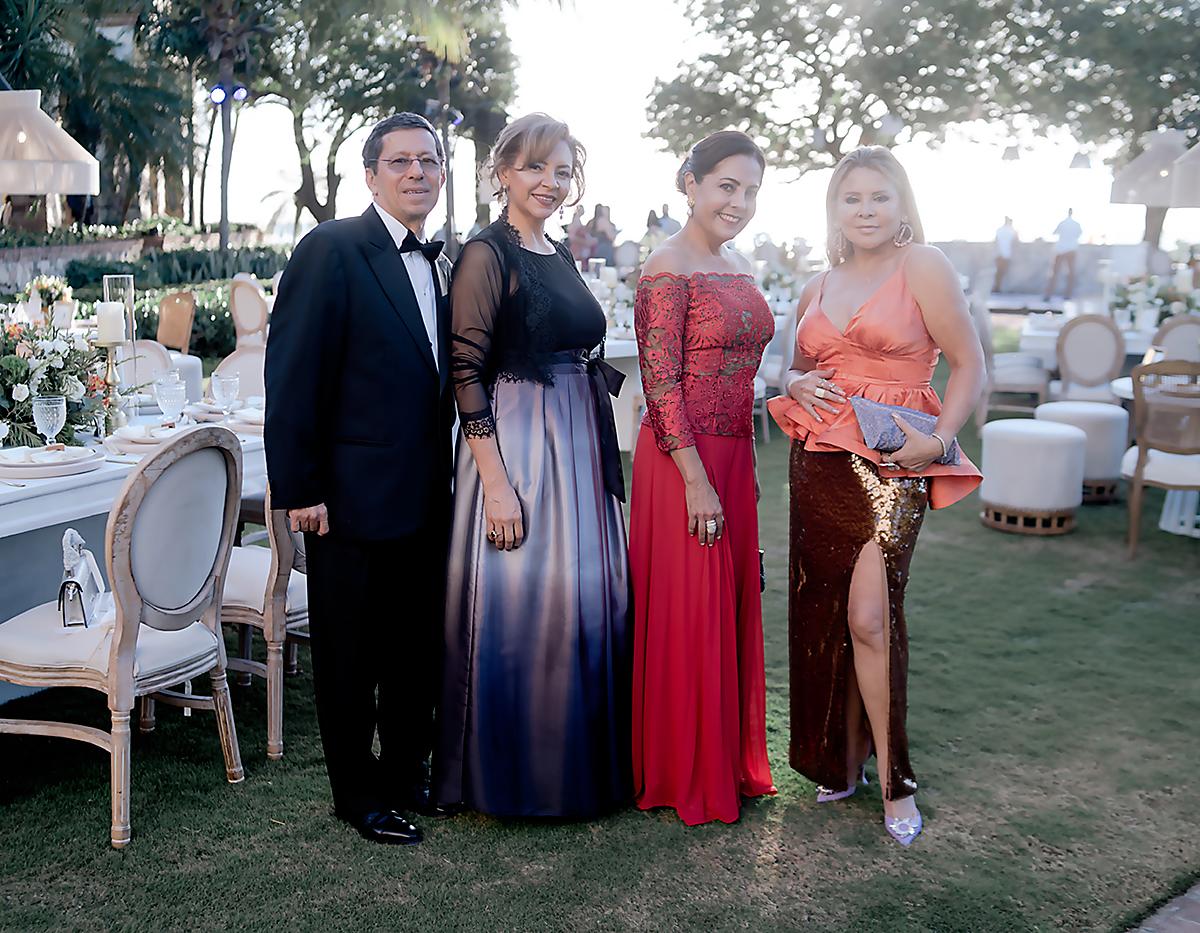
column 1032, row 476
column 1106, row 427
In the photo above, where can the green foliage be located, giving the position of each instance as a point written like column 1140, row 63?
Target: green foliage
column 181, row 266
column 66, row 236
column 213, row 334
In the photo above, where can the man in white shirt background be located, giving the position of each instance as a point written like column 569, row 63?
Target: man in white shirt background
column 1068, row 232
column 1006, row 241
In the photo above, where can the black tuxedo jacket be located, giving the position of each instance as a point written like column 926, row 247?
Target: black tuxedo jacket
column 358, row 414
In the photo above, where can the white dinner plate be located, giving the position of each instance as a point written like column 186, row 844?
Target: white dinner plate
column 148, row 433
column 37, row 463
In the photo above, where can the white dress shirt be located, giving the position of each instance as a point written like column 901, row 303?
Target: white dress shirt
column 420, row 274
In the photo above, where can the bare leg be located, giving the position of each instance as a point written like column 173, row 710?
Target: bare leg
column 868, row 616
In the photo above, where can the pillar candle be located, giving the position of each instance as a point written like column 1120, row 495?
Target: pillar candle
column 110, row 321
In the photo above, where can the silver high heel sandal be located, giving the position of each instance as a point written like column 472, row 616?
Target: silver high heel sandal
column 825, row 795
column 904, row 829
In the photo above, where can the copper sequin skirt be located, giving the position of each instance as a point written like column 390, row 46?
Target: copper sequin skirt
column 839, row 505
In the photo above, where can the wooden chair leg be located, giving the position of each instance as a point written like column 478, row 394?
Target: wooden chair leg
column 1135, row 514
column 274, row 700
column 245, row 648
column 146, row 722
column 766, row 423
column 292, row 650
column 223, row 707
column 119, row 768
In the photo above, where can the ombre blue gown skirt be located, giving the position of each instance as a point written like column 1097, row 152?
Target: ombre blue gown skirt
column 535, row 715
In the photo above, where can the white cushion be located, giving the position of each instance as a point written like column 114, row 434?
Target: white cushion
column 37, row 638
column 246, row 583
column 1019, row 379
column 1164, row 468
column 1107, row 430
column 1026, row 360
column 1032, row 465
column 1077, row 393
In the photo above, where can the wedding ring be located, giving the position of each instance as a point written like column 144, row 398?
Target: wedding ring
column 711, row 526
column 491, row 535
column 819, row 392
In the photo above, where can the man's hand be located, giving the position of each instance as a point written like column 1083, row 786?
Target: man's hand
column 315, row 518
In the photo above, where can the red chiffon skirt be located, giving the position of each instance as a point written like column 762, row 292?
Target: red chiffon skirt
column 699, row 692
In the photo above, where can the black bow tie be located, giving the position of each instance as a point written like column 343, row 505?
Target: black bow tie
column 430, row 250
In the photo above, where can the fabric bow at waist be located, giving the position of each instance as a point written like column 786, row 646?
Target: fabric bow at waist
column 605, row 381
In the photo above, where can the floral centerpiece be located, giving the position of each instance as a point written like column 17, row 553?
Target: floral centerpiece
column 39, row 360
column 1152, row 292
column 45, row 292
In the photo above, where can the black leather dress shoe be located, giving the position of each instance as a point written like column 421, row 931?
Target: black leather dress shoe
column 389, row 827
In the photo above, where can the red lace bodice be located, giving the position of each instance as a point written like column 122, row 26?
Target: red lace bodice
column 700, row 342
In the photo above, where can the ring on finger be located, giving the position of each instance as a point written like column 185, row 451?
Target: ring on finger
column 711, row 526
column 819, row 392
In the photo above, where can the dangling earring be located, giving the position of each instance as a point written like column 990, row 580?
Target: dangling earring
column 904, row 235
column 691, row 207
column 562, row 217
column 840, row 247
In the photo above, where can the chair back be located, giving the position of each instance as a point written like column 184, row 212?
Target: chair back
column 1179, row 338
column 1166, row 407
column 175, row 314
column 250, row 364
column 982, row 317
column 248, row 306
column 169, row 537
column 275, row 282
column 142, row 363
column 287, row 546
column 1091, row 350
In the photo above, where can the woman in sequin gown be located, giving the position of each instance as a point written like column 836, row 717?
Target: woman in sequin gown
column 872, row 326
column 699, row 697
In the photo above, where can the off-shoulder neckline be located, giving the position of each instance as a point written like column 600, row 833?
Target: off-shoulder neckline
column 692, row 275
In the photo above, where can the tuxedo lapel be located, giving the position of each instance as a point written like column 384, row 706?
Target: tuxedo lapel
column 441, row 281
column 385, row 262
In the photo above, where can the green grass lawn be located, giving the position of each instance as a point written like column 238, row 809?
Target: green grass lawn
column 1053, row 722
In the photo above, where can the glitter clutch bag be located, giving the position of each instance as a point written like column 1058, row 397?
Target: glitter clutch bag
column 880, row 431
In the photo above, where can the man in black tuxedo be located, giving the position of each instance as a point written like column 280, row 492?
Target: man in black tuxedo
column 358, row 444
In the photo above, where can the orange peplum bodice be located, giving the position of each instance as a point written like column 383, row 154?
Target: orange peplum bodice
column 886, row 355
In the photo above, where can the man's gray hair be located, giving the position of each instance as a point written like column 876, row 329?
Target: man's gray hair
column 397, row 121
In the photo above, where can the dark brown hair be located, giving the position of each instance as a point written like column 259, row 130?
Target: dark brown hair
column 532, row 138
column 714, row 149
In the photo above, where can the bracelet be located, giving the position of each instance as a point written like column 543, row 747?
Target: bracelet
column 940, row 440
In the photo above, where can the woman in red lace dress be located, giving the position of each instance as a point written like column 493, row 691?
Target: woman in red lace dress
column 699, row 698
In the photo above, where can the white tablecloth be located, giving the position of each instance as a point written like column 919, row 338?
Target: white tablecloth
column 1037, row 338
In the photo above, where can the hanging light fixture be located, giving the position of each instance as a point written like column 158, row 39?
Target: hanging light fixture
column 37, row 156
column 1011, row 154
column 1081, row 160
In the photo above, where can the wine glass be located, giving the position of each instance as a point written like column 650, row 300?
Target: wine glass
column 225, row 389
column 171, row 395
column 49, row 416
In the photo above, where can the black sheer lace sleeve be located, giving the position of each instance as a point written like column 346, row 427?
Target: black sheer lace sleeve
column 475, row 297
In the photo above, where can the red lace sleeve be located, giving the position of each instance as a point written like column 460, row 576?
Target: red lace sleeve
column 659, row 313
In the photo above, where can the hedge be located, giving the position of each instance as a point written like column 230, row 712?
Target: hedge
column 157, row 268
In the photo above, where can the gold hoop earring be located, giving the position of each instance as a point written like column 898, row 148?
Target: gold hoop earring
column 904, row 235
column 841, row 247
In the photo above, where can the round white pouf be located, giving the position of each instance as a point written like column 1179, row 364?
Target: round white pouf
column 1032, row 476
column 1107, row 430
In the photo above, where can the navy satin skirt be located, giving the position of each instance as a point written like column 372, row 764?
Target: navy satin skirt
column 535, row 715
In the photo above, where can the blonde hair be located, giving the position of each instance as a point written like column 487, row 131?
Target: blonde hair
column 534, row 136
column 881, row 160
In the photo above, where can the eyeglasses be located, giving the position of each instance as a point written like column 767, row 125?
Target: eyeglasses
column 402, row 163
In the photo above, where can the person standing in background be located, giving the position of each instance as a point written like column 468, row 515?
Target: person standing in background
column 1068, row 233
column 668, row 224
column 1006, row 240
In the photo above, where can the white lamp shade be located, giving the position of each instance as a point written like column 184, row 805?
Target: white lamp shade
column 1185, row 179
column 1147, row 179
column 37, row 156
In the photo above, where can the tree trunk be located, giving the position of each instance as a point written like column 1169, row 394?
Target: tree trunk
column 226, row 73
column 1154, row 225
column 191, row 147
column 212, row 125
column 306, row 194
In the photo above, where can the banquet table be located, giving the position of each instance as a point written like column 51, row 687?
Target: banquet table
column 1041, row 338
column 34, row 516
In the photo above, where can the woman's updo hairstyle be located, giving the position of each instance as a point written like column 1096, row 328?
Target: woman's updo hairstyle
column 532, row 138
column 714, row 149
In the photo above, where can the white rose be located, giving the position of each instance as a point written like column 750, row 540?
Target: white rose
column 73, row 388
column 80, row 342
column 3, row 430
column 1178, row 307
column 20, row 392
column 58, row 345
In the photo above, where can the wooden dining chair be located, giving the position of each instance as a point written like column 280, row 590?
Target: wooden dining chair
column 167, row 549
column 1166, row 427
column 1179, row 338
column 249, row 363
column 1091, row 353
column 1008, row 374
column 267, row 591
column 176, row 312
column 248, row 306
column 138, row 365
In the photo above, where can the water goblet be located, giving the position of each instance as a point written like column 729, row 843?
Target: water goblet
column 225, row 390
column 49, row 416
column 171, row 395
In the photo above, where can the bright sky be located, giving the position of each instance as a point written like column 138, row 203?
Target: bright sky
column 593, row 63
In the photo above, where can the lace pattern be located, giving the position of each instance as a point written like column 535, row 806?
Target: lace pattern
column 700, row 342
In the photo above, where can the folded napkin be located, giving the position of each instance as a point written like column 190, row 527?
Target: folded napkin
column 147, row 433
column 208, row 405
column 24, row 456
column 251, row 416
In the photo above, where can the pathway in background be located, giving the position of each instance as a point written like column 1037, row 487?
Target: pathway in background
column 1181, row 915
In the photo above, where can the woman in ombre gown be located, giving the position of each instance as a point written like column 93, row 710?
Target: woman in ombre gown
column 873, row 326
column 699, row 697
